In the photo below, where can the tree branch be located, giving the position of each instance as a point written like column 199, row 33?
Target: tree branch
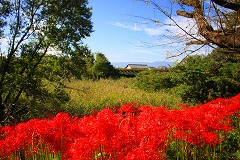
column 185, row 14
column 230, row 41
column 197, row 42
column 229, row 5
column 189, row 2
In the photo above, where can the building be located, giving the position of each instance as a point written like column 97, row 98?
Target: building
column 162, row 67
column 137, row 66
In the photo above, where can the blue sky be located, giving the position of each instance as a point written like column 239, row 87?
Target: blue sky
column 119, row 35
column 122, row 37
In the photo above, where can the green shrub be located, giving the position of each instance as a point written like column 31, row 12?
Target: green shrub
column 204, row 79
column 155, row 81
column 197, row 78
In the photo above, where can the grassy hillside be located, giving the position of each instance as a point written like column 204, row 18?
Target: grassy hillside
column 90, row 96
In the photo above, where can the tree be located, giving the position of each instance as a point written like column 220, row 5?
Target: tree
column 76, row 62
column 208, row 77
column 102, row 68
column 217, row 22
column 89, row 62
column 5, row 9
column 33, row 28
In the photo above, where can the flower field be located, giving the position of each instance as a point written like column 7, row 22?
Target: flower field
column 129, row 132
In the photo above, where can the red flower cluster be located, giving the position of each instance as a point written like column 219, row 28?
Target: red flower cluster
column 130, row 133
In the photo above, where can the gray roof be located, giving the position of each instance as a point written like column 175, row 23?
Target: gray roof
column 161, row 67
column 137, row 66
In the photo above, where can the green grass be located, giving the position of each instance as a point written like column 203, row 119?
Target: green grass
column 89, row 96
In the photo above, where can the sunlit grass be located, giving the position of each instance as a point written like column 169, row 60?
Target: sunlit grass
column 88, row 96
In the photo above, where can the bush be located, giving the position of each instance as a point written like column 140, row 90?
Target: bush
column 155, row 81
column 197, row 78
column 204, row 79
column 102, row 68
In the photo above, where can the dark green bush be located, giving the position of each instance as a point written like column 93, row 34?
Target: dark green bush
column 197, row 78
column 204, row 79
column 155, row 81
column 102, row 68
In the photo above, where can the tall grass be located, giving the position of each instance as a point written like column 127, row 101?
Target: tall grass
column 89, row 96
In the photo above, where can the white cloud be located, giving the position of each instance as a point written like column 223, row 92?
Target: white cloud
column 158, row 30
column 170, row 37
column 132, row 27
column 153, row 31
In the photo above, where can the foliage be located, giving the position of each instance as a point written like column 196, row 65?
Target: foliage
column 102, row 68
column 76, row 63
column 80, row 64
column 155, row 81
column 5, row 10
column 205, row 131
column 34, row 28
column 204, row 78
column 198, row 78
column 89, row 62
column 26, row 88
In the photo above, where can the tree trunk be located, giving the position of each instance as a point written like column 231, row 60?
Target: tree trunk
column 228, row 39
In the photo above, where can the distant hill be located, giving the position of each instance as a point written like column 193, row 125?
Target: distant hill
column 150, row 64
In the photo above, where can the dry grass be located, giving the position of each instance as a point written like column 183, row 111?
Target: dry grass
column 89, row 96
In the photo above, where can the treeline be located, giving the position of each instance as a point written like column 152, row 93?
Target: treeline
column 81, row 65
column 197, row 78
column 34, row 85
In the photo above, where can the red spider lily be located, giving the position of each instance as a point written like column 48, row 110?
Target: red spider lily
column 131, row 133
